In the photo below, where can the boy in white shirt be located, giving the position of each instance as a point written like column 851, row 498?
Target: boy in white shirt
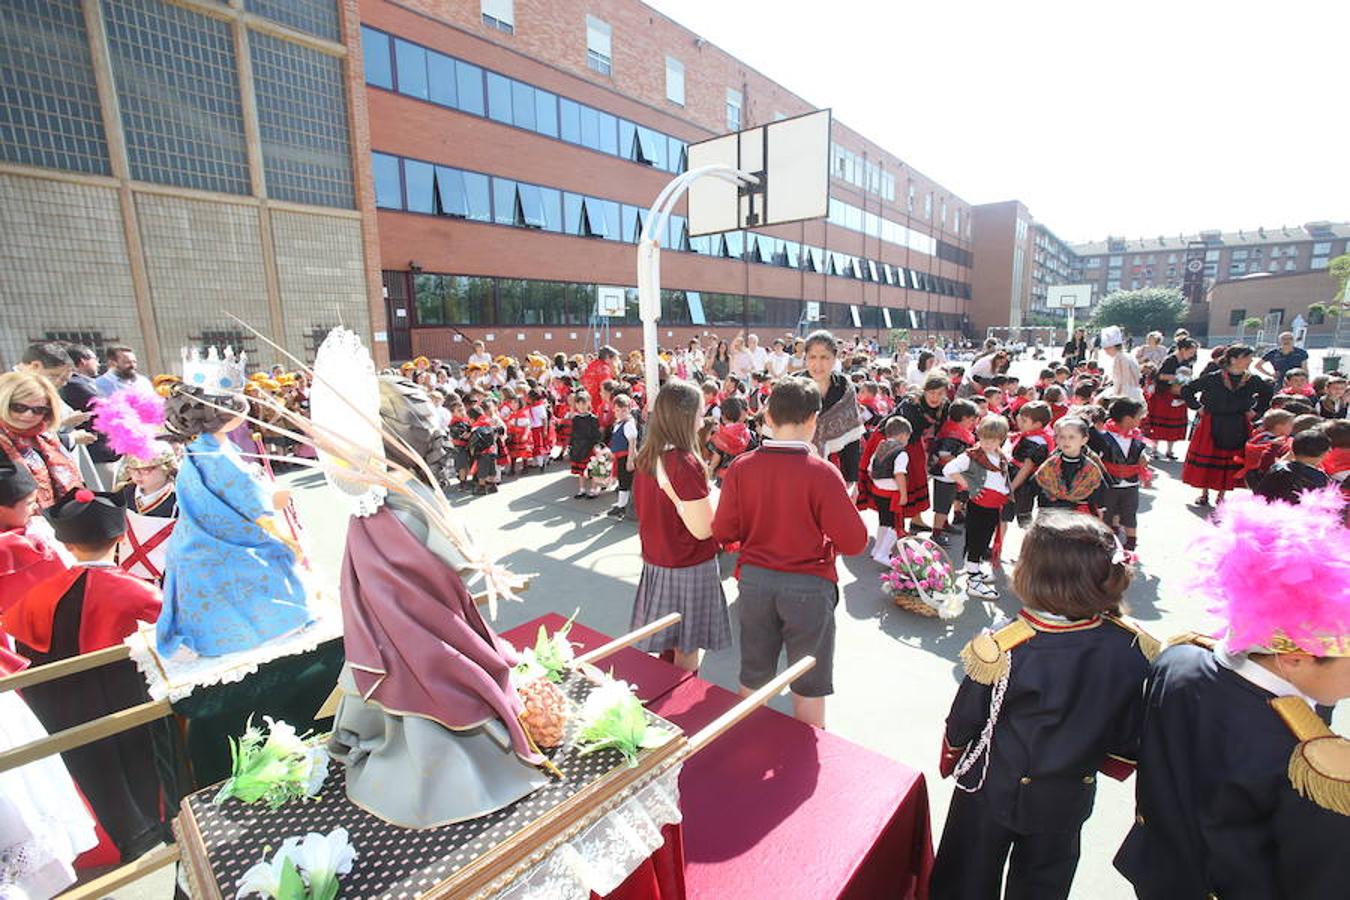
column 982, row 471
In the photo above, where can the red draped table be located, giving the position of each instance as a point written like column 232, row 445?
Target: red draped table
column 773, row 808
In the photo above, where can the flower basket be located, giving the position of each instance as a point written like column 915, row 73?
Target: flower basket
column 921, row 580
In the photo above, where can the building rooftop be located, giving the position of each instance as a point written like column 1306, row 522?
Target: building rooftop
column 1241, row 238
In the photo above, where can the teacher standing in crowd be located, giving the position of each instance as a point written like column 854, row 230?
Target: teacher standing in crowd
column 675, row 513
column 839, row 428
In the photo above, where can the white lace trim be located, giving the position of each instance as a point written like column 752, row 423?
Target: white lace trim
column 181, row 674
column 606, row 852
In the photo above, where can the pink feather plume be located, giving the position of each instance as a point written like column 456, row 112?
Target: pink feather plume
column 1276, row 567
column 131, row 420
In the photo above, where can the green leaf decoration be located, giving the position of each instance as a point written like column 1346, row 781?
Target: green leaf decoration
column 613, row 717
column 292, row 885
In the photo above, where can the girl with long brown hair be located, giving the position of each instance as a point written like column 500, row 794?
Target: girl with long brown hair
column 679, row 557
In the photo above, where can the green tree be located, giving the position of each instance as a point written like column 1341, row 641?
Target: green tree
column 1139, row 312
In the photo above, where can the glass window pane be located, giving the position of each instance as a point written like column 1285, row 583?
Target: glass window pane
column 609, row 134
column 477, row 190
column 605, row 218
column 632, row 224
column 679, row 233
column 499, row 98
column 531, row 205
column 590, row 127
column 468, row 301
column 388, row 186
column 653, row 147
column 522, row 105
column 629, row 148
column 574, row 214
column 441, row 79
column 570, row 120
column 375, row 50
column 503, row 201
column 546, row 113
column 735, row 243
column 469, row 84
column 675, row 160
column 421, row 178
column 551, row 202
column 450, row 191
column 412, row 69
column 429, row 299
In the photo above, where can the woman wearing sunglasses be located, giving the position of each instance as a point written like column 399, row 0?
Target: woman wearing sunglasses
column 29, row 407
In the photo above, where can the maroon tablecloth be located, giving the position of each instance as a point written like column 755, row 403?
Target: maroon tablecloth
column 775, row 808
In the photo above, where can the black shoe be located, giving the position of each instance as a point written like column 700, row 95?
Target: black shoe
column 617, row 512
column 918, row 527
column 955, row 527
column 579, row 495
column 480, row 490
column 492, row 489
column 942, row 539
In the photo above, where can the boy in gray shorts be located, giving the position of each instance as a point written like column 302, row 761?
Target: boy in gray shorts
column 789, row 540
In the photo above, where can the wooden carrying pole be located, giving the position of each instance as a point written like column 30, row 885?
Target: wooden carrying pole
column 61, row 668
column 87, row 733
column 108, row 884
column 627, row 640
column 714, row 729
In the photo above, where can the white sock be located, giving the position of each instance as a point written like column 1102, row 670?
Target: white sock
column 623, row 499
column 881, row 548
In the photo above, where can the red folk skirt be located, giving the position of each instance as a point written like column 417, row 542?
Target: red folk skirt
column 1209, row 467
column 916, row 479
column 1166, row 422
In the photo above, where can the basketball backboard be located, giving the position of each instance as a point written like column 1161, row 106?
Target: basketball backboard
column 610, row 301
column 791, row 157
column 1068, row 296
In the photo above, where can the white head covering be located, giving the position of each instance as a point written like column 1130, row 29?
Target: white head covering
column 1112, row 336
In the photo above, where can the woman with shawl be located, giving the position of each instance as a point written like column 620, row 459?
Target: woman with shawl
column 839, row 428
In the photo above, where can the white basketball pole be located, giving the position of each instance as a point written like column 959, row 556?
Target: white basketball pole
column 649, row 259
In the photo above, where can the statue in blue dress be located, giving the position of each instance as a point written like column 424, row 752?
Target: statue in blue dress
column 230, row 580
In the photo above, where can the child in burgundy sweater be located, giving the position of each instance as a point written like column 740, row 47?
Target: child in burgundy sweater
column 789, row 540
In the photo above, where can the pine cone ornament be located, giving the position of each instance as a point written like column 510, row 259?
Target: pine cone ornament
column 546, row 712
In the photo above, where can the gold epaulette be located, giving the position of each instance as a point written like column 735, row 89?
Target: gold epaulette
column 1192, row 637
column 1147, row 643
column 1319, row 768
column 986, row 656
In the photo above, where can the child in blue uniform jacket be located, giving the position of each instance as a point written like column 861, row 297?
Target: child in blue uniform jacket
column 1047, row 702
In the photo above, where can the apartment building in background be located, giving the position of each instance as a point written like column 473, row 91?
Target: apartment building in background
column 164, row 165
column 1119, row 264
column 516, row 147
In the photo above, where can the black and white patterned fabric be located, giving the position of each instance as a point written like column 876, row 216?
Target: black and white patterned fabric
column 392, row 862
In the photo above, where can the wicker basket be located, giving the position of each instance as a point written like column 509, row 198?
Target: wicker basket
column 910, row 601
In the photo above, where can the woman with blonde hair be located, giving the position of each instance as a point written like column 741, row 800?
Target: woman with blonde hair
column 29, row 409
column 679, row 556
column 1152, row 352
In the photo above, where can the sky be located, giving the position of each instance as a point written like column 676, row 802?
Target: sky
column 1129, row 119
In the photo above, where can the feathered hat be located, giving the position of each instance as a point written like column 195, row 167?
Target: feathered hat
column 1272, row 572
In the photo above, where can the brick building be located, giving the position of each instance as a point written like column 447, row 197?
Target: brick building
column 516, row 147
column 165, row 164
column 1278, row 300
column 1017, row 259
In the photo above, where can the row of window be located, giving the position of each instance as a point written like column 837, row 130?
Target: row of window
column 422, row 187
column 480, row 300
column 416, row 71
column 846, row 215
column 1287, row 251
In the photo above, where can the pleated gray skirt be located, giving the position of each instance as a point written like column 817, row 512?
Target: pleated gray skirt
column 693, row 591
